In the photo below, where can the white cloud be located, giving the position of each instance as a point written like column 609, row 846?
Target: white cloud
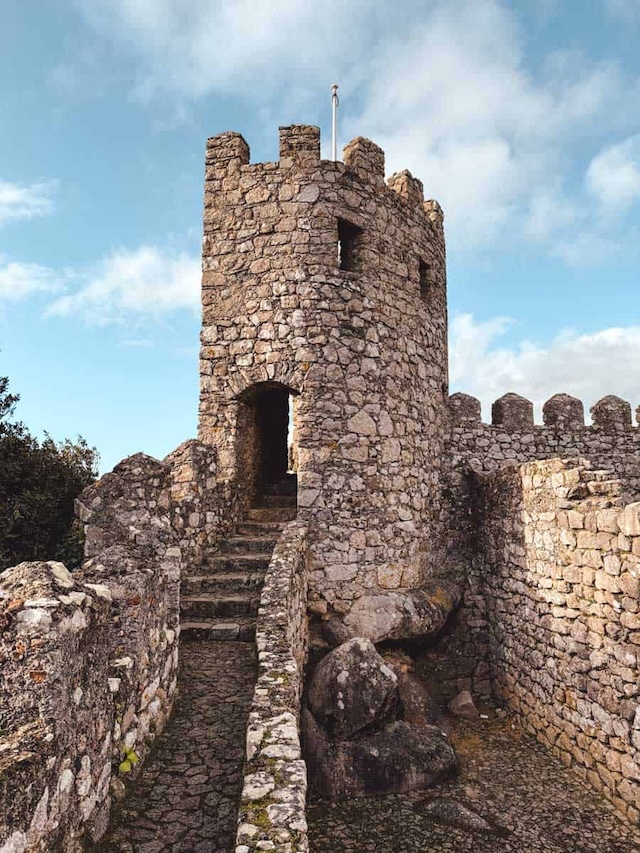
column 231, row 45
column 145, row 280
column 19, row 280
column 613, row 176
column 25, row 201
column 588, row 366
column 460, row 107
column 447, row 88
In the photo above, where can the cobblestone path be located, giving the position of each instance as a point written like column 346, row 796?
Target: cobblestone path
column 529, row 801
column 186, row 799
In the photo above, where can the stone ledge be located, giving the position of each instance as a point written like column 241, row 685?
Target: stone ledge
column 272, row 807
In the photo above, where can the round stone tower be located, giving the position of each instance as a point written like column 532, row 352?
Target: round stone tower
column 323, row 282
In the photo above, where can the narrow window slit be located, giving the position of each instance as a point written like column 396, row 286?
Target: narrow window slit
column 349, row 243
column 424, row 273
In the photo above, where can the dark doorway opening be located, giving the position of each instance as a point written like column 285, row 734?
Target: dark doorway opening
column 266, row 448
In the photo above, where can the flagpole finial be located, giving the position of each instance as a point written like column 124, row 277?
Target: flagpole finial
column 335, row 100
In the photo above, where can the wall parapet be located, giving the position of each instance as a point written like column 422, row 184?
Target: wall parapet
column 89, row 660
column 272, row 807
column 561, row 412
column 562, row 545
column 610, row 441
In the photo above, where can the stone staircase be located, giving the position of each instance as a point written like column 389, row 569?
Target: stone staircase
column 219, row 598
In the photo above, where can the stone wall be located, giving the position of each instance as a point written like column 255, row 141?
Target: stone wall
column 611, row 442
column 272, row 808
column 57, row 713
column 89, row 660
column 562, row 587
column 359, row 337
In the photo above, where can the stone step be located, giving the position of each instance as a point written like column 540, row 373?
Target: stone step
column 213, row 605
column 224, row 582
column 222, row 563
column 272, row 513
column 244, row 544
column 259, row 528
column 219, row 629
column 277, row 501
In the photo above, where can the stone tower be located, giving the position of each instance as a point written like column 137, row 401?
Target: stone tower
column 324, row 285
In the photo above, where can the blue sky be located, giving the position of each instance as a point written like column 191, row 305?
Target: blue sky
column 522, row 118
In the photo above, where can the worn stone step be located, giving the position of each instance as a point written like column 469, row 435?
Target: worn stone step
column 277, row 501
column 214, row 605
column 223, row 582
column 244, row 544
column 247, row 562
column 272, row 513
column 219, row 629
column 259, row 528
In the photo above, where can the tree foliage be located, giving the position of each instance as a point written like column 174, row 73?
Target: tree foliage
column 39, row 481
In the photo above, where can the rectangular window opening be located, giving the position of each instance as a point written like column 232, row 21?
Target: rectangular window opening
column 349, row 243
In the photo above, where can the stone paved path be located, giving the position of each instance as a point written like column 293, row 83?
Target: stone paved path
column 185, row 800
column 530, row 801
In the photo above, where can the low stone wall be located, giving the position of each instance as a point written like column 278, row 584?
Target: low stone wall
column 272, row 809
column 89, row 660
column 57, row 715
column 562, row 588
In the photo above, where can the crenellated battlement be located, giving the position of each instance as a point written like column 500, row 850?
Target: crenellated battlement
column 561, row 413
column 299, row 150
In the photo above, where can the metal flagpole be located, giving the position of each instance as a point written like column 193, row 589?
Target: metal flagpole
column 334, row 138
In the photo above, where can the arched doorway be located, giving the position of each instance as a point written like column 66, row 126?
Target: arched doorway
column 265, row 448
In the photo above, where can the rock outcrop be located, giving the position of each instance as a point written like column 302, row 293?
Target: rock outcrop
column 356, row 741
column 403, row 615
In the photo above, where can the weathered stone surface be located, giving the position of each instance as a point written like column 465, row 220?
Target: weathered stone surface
column 463, row 705
column 272, row 805
column 510, row 795
column 188, row 793
column 353, row 690
column 399, row 757
column 357, row 337
column 354, row 742
column 564, row 633
column 401, row 615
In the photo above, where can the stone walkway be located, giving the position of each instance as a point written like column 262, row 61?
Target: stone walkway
column 524, row 802
column 186, row 799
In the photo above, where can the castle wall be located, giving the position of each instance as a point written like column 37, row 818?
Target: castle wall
column 89, row 660
column 364, row 348
column 473, row 448
column 562, row 585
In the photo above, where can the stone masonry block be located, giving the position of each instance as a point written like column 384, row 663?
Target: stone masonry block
column 512, row 412
column 611, row 413
column 563, row 412
column 366, row 159
column 629, row 520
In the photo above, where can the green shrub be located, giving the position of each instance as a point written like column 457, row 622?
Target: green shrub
column 39, row 481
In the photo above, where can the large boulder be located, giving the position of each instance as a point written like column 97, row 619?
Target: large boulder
column 353, row 690
column 356, row 740
column 397, row 759
column 403, row 615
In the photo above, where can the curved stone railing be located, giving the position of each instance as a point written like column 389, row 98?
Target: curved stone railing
column 272, row 807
